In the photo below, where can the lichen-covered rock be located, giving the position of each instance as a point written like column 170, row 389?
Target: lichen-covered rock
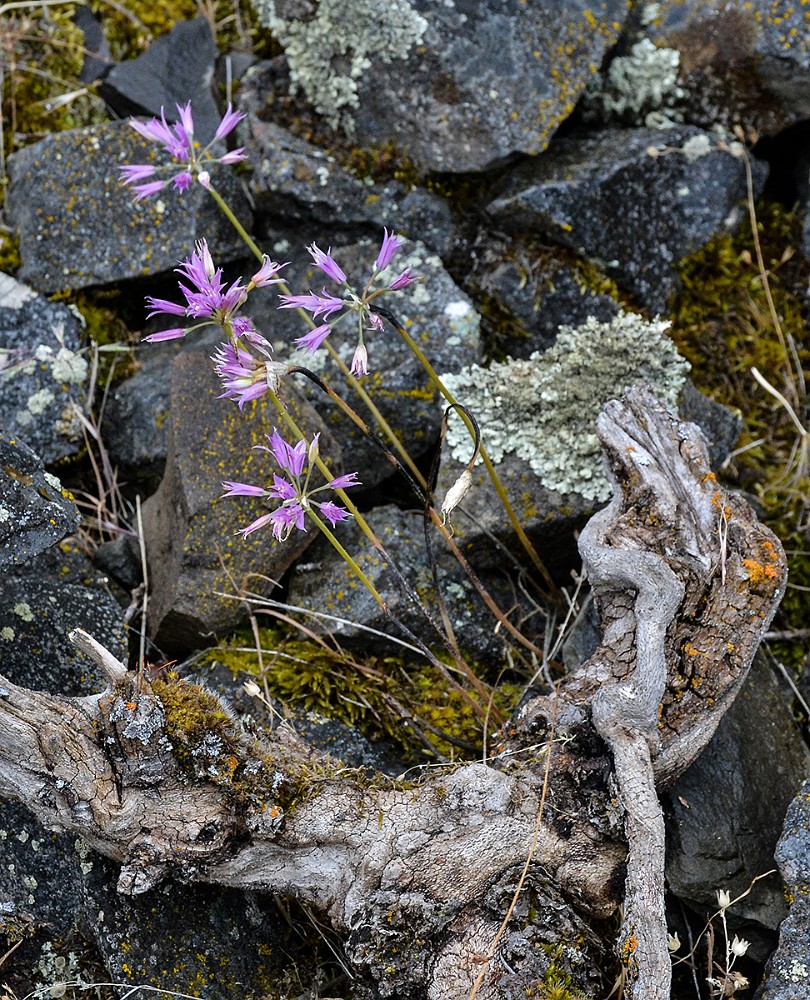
column 40, row 603
column 742, row 62
column 635, row 201
column 35, row 510
column 294, row 181
column 458, row 87
column 725, row 814
column 436, row 313
column 787, row 975
column 78, row 226
column 59, row 897
column 44, row 374
column 530, row 293
column 176, row 68
column 195, row 556
column 543, row 410
column 327, row 584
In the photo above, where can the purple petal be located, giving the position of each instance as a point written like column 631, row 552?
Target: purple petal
column 360, row 361
column 182, row 182
column 390, row 245
column 235, row 156
column 233, row 489
column 164, row 306
column 285, row 519
column 173, row 334
column 313, row 340
column 405, row 279
column 258, row 523
column 326, row 263
column 154, row 130
column 282, row 489
column 184, row 111
column 344, row 482
column 229, row 122
column 267, row 273
column 147, row 190
column 136, row 172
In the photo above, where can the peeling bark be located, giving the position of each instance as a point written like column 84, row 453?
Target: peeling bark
column 405, row 872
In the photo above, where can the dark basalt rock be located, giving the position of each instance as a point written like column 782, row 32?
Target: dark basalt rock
column 481, row 82
column 195, row 556
column 293, row 180
column 41, row 602
column 35, row 510
column 787, row 974
column 635, row 201
column 44, row 373
column 176, row 68
column 78, row 226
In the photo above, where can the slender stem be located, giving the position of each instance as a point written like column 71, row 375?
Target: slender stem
column 352, row 564
column 379, row 419
column 226, row 210
column 493, row 475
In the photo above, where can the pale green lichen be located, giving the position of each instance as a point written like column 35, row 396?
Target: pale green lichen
column 544, row 409
column 640, row 88
column 330, row 51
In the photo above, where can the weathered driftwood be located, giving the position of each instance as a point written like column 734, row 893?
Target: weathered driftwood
column 686, row 582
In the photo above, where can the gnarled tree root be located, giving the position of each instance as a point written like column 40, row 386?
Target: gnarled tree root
column 686, row 582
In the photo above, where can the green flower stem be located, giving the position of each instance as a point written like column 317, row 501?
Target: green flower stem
column 350, row 562
column 225, row 208
column 379, row 419
column 493, row 475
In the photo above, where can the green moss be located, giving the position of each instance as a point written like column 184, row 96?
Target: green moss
column 374, row 694
column 722, row 325
column 9, row 251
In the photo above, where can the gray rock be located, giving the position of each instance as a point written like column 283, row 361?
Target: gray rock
column 436, row 313
column 530, row 292
column 725, row 813
column 78, row 226
column 635, row 212
column 193, row 550
column 35, row 510
column 176, row 68
column 742, row 61
column 787, row 975
column 43, row 375
column 294, row 180
column 60, row 897
column 457, row 86
column 721, row 425
column 97, row 57
column 43, row 601
column 327, row 584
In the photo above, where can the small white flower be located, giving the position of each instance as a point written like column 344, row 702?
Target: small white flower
column 252, row 688
column 673, row 942
column 739, row 946
column 460, row 488
column 723, row 899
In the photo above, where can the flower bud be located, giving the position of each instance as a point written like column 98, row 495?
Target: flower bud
column 252, row 688
column 460, row 488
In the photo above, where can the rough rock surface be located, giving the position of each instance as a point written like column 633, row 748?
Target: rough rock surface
column 78, row 226
column 736, row 787
column 178, row 67
column 325, row 583
column 40, row 603
column 35, row 510
column 787, row 975
column 193, row 551
column 43, row 375
column 584, row 194
column 294, row 180
column 460, row 86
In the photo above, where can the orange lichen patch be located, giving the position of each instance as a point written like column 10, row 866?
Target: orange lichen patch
column 690, row 650
column 760, row 572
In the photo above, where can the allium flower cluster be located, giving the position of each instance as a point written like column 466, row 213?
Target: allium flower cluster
column 190, row 162
column 326, row 305
column 294, row 492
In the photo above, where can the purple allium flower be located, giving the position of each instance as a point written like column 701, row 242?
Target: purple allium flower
column 390, row 245
column 354, row 303
column 178, row 141
column 267, row 273
column 313, row 340
column 404, row 279
column 244, row 376
column 295, row 493
column 327, row 263
column 319, row 305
